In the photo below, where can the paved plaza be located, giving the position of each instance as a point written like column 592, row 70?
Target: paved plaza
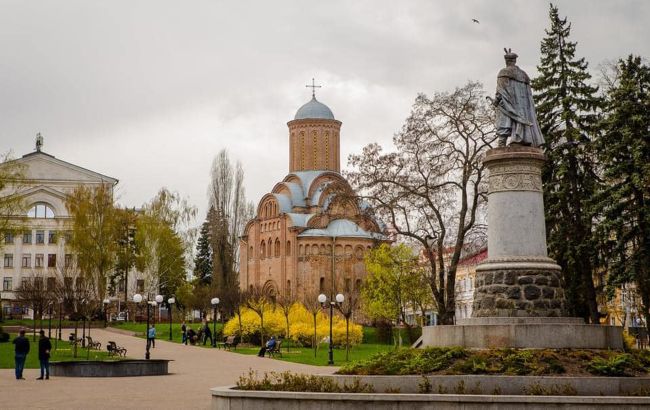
column 193, row 372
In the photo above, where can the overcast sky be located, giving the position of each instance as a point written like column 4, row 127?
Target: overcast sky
column 149, row 91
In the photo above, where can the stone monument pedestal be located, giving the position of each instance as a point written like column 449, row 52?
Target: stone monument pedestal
column 519, row 299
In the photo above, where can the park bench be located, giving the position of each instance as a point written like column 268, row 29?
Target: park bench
column 93, row 345
column 275, row 349
column 74, row 340
column 114, row 349
column 231, row 342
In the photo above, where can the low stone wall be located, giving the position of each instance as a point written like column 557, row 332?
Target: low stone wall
column 506, row 385
column 224, row 398
column 120, row 368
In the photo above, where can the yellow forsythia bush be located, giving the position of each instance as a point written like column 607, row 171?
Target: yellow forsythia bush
column 301, row 325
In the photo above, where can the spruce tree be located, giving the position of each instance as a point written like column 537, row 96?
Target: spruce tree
column 624, row 200
column 567, row 109
column 203, row 258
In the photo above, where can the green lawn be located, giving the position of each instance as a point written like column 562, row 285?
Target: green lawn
column 305, row 355
column 162, row 329
column 63, row 353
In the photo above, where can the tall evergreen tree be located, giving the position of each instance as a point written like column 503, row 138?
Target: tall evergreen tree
column 567, row 109
column 624, row 201
column 203, row 258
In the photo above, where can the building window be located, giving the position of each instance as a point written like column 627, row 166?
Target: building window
column 41, row 210
column 9, row 260
column 9, row 238
column 140, row 286
column 38, row 261
column 347, row 285
column 27, row 237
column 27, row 261
column 120, row 285
column 51, row 237
column 51, row 283
column 67, row 259
column 321, row 286
column 289, row 288
column 51, row 260
column 250, row 253
column 40, row 236
column 263, row 250
column 7, row 284
column 277, row 247
column 67, row 236
column 288, row 248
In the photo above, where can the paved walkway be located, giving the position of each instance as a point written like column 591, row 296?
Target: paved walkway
column 194, row 371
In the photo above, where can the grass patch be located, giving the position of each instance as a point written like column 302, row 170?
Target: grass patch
column 305, row 355
column 63, row 353
column 522, row 362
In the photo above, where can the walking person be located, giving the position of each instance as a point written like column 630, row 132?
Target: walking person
column 21, row 349
column 184, row 331
column 44, row 347
column 207, row 333
column 151, row 337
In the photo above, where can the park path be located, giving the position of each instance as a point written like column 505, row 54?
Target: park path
column 194, row 371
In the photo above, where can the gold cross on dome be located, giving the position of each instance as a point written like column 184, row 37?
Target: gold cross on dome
column 313, row 87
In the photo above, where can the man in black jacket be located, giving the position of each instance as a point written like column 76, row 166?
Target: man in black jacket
column 44, row 347
column 21, row 349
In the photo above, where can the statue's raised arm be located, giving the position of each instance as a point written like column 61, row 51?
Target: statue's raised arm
column 516, row 120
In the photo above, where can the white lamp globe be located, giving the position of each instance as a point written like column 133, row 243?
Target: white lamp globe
column 322, row 298
column 340, row 298
column 137, row 298
column 159, row 299
column 171, row 301
column 215, row 301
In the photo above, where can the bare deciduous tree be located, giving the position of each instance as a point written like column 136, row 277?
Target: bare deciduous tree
column 258, row 300
column 433, row 184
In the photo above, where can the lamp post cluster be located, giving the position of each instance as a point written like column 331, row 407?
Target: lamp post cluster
column 337, row 302
column 138, row 298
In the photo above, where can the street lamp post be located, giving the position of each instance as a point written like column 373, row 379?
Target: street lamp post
column 215, row 302
column 170, row 303
column 138, row 298
column 323, row 301
column 106, row 302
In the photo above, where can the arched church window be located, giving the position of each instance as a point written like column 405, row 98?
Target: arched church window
column 250, row 253
column 348, row 250
column 322, row 284
column 307, row 250
column 289, row 287
column 288, row 252
column 359, row 252
column 322, row 249
column 40, row 210
column 301, row 251
column 277, row 247
column 262, row 250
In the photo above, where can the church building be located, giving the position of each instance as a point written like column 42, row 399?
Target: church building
column 309, row 233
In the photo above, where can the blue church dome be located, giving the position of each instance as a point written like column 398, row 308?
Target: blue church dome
column 314, row 110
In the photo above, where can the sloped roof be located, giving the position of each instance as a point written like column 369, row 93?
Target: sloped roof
column 342, row 228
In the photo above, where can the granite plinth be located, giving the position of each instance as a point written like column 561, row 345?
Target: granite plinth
column 524, row 333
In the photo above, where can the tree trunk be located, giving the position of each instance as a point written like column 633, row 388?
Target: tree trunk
column 347, row 338
column 315, row 345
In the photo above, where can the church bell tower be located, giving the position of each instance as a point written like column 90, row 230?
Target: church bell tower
column 314, row 138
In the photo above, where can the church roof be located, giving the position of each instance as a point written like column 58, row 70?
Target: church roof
column 314, row 109
column 300, row 220
column 342, row 228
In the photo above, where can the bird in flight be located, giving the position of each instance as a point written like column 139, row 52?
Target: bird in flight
column 476, row 21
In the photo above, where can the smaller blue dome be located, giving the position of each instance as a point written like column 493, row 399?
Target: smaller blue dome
column 314, row 110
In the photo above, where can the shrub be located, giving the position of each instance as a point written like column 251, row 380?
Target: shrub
column 287, row 381
column 301, row 326
column 616, row 365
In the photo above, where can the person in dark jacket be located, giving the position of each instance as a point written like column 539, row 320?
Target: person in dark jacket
column 207, row 334
column 44, row 347
column 21, row 349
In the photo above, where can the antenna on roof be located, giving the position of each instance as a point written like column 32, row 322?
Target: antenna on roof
column 39, row 142
column 313, row 87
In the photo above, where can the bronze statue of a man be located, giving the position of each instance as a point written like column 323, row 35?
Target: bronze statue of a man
column 516, row 121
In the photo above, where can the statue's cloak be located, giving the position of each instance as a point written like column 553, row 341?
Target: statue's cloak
column 516, row 115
